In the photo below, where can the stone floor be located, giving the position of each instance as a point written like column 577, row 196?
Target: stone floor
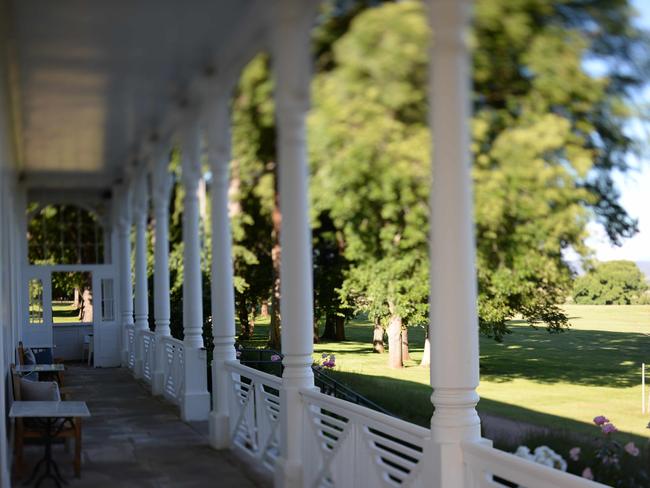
column 134, row 440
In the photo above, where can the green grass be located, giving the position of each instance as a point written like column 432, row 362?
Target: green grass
column 64, row 312
column 557, row 380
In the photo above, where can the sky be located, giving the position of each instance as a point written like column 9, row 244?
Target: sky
column 635, row 192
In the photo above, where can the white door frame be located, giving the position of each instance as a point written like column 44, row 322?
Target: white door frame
column 106, row 332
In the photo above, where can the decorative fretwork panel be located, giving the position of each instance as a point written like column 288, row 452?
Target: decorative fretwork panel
column 148, row 354
column 173, row 368
column 350, row 445
column 255, row 414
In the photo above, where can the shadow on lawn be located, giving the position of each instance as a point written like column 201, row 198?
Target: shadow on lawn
column 411, row 401
column 581, row 357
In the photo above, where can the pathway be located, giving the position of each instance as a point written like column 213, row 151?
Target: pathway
column 134, row 440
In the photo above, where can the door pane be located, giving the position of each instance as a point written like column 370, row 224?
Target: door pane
column 108, row 314
column 35, row 301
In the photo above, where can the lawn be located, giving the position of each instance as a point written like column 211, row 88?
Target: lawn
column 559, row 380
column 64, row 312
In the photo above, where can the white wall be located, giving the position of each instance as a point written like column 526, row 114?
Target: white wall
column 10, row 250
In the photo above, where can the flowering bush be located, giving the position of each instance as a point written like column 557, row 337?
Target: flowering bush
column 328, row 361
column 611, row 463
column 542, row 455
column 605, row 459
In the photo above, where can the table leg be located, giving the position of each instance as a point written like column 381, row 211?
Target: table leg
column 51, row 468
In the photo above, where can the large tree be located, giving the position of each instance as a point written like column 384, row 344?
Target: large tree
column 546, row 134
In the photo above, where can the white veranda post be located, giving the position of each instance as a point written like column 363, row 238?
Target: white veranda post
column 161, row 190
column 222, row 292
column 140, row 213
column 292, row 72
column 195, row 401
column 126, row 284
column 453, row 314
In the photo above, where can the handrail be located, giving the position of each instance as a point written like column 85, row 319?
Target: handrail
column 362, row 411
column 237, row 367
column 325, row 382
column 483, row 462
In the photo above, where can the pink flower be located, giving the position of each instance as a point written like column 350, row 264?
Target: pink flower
column 275, row 357
column 631, row 449
column 574, row 453
column 608, row 428
column 587, row 474
column 600, row 420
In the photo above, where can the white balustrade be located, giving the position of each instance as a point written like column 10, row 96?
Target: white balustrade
column 483, row 463
column 254, row 414
column 350, row 445
column 173, row 368
column 148, row 348
column 130, row 345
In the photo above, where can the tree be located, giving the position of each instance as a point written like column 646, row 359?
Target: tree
column 611, row 283
column 374, row 185
column 256, row 223
column 546, row 134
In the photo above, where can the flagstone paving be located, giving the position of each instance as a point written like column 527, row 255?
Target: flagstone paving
column 136, row 440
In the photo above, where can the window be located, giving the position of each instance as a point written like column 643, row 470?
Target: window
column 35, row 301
column 107, row 301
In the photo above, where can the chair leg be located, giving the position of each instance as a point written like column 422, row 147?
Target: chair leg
column 77, row 449
column 20, row 465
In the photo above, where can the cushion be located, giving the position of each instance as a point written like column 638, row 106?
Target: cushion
column 29, row 356
column 43, row 355
column 43, row 391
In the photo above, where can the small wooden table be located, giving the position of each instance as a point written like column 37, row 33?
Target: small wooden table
column 52, row 417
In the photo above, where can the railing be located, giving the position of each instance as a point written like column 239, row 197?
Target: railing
column 255, row 358
column 130, row 345
column 487, row 467
column 173, row 368
column 148, row 353
column 254, row 405
column 350, row 445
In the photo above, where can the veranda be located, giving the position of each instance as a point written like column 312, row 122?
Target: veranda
column 94, row 95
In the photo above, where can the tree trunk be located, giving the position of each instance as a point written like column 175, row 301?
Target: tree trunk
column 315, row 330
column 405, row 344
column 242, row 314
column 340, row 328
column 77, row 298
column 251, row 322
column 426, row 355
column 395, row 341
column 330, row 327
column 274, row 329
column 378, row 337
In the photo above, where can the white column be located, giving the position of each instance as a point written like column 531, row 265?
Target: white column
column 195, row 404
column 292, row 73
column 453, row 313
column 126, row 284
column 223, row 296
column 140, row 212
column 162, row 183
